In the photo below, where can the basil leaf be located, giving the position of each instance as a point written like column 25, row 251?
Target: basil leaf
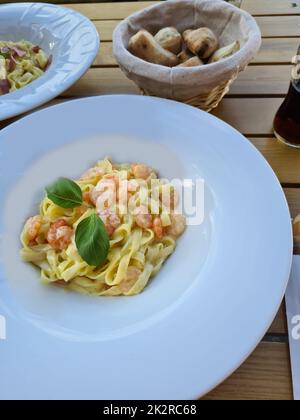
column 92, row 240
column 65, row 193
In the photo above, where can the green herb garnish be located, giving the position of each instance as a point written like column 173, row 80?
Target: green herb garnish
column 92, row 240
column 65, row 193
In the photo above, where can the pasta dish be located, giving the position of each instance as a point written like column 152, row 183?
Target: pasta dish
column 20, row 64
column 107, row 233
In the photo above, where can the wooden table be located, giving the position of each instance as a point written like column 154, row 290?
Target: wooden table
column 250, row 107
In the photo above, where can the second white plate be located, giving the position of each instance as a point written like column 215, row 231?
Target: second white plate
column 69, row 37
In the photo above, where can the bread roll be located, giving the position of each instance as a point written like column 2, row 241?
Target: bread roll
column 170, row 39
column 144, row 46
column 202, row 42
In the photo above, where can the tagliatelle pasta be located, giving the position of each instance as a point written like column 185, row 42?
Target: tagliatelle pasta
column 137, row 210
column 20, row 64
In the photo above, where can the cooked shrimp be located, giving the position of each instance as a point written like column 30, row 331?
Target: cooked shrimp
column 141, row 171
column 132, row 275
column 95, row 172
column 114, row 178
column 178, row 225
column 111, row 220
column 33, row 227
column 87, row 197
column 59, row 235
column 131, row 188
column 169, row 197
column 142, row 217
column 158, row 228
column 105, row 192
column 60, row 282
column 132, row 185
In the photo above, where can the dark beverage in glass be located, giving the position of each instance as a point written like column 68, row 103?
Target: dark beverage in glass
column 287, row 119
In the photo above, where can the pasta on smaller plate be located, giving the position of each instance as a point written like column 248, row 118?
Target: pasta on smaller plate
column 107, row 233
column 20, row 64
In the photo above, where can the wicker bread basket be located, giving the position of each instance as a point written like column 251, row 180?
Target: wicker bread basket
column 201, row 86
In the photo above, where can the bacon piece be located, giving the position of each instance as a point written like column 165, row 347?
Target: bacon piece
column 18, row 51
column 36, row 49
column 4, row 86
column 11, row 64
column 49, row 62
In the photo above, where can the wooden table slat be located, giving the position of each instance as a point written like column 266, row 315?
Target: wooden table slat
column 105, row 29
column 265, row 375
column 262, row 81
column 293, row 197
column 279, row 325
column 271, row 7
column 279, row 26
column 102, row 81
column 277, row 50
column 108, row 11
column 251, row 116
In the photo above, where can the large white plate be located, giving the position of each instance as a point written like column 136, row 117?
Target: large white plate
column 205, row 311
column 69, row 37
